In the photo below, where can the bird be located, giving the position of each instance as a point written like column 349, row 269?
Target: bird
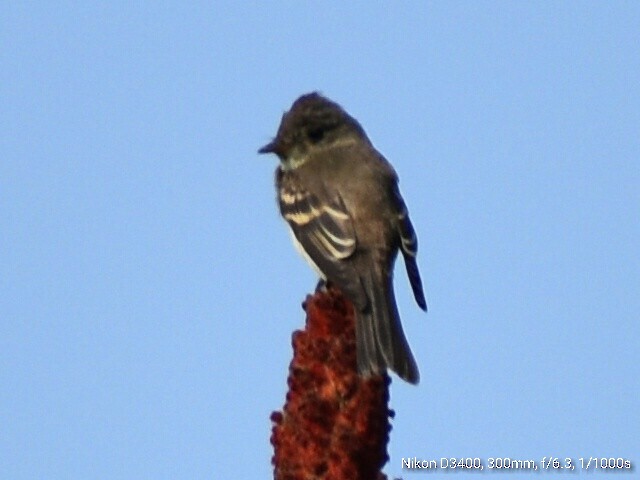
column 341, row 200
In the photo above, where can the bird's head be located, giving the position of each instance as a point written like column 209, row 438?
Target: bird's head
column 313, row 122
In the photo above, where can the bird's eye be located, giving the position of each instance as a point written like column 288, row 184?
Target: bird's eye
column 315, row 134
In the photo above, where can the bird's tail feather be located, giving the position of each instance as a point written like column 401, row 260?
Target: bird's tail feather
column 380, row 340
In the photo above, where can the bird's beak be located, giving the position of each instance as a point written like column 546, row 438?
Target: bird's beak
column 271, row 147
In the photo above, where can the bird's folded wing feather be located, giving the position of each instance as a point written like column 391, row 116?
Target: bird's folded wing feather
column 323, row 227
column 409, row 247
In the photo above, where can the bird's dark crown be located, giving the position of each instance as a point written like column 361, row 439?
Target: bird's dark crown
column 312, row 120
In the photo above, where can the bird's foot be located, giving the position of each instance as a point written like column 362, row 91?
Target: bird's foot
column 323, row 285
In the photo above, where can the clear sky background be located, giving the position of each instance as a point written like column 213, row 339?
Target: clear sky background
column 148, row 288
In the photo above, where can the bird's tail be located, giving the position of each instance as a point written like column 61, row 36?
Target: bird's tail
column 380, row 340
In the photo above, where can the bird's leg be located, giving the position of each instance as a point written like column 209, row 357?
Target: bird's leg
column 322, row 286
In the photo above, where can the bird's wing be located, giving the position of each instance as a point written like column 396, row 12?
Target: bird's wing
column 409, row 247
column 323, row 227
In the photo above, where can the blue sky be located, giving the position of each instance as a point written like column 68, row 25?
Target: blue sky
column 149, row 289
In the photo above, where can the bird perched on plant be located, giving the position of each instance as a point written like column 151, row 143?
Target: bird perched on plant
column 341, row 199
